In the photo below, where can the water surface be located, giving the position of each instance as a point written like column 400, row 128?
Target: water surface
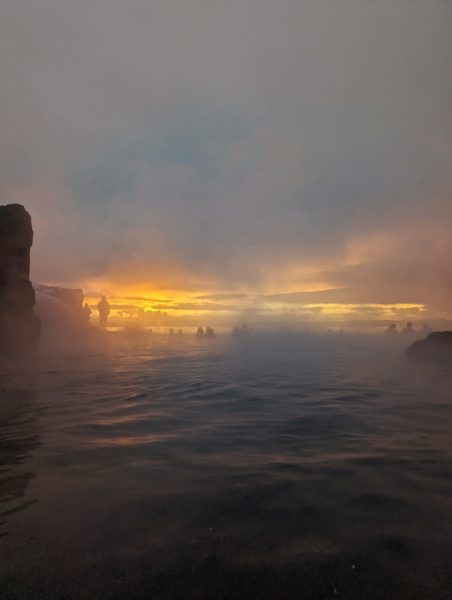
column 279, row 466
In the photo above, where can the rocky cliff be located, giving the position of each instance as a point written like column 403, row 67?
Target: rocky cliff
column 19, row 326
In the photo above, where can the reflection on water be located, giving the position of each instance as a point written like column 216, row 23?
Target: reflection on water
column 18, row 440
column 269, row 467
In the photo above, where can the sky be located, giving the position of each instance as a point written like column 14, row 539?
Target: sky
column 286, row 159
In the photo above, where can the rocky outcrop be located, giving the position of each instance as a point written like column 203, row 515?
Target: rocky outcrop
column 19, row 326
column 436, row 347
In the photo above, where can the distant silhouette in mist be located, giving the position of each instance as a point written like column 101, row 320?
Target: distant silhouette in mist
column 408, row 330
column 426, row 329
column 208, row 333
column 86, row 314
column 391, row 330
column 241, row 331
column 104, row 311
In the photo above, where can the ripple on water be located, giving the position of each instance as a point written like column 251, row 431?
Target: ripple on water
column 279, row 468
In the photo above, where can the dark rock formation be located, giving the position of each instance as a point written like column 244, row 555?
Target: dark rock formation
column 19, row 326
column 436, row 347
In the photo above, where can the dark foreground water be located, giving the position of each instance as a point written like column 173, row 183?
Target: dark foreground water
column 270, row 468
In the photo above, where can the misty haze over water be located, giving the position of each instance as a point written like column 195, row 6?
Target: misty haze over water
column 276, row 466
column 190, row 166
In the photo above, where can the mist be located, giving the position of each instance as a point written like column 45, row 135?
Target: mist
column 233, row 147
column 225, row 299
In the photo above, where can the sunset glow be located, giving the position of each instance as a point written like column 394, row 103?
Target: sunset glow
column 225, row 299
column 219, row 184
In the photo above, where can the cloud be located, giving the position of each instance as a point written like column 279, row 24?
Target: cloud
column 244, row 147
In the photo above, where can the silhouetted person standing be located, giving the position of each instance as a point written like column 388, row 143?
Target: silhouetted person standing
column 86, row 313
column 408, row 330
column 104, row 311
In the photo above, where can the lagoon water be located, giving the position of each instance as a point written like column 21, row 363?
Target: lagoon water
column 275, row 467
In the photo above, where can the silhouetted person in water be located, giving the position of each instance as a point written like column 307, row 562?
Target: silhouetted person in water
column 241, row 331
column 104, row 311
column 426, row 329
column 391, row 330
column 86, row 312
column 408, row 330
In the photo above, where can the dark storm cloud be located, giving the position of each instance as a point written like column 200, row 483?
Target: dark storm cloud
column 232, row 145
